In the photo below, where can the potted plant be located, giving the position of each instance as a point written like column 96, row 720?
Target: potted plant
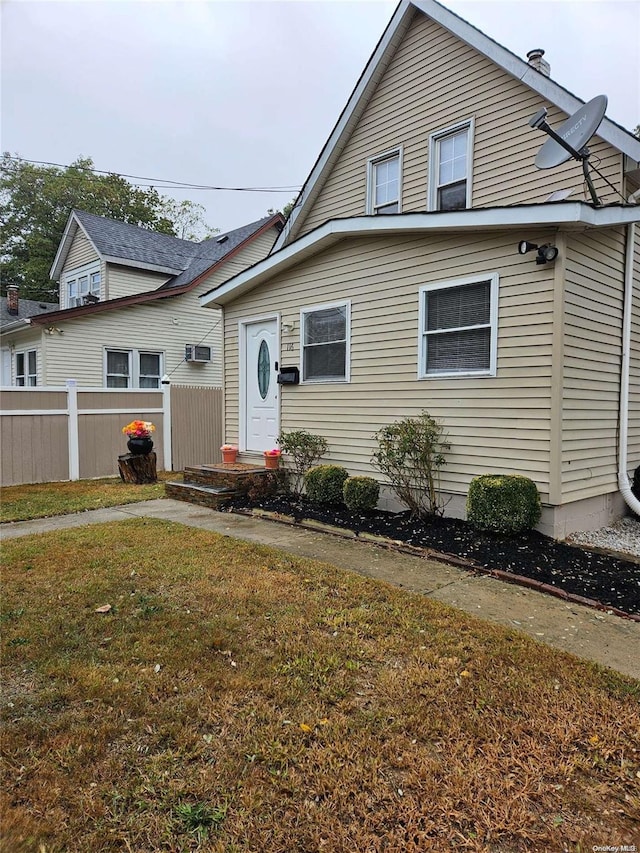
column 272, row 458
column 139, row 433
column 229, row 452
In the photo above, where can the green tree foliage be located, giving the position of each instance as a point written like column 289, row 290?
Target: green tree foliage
column 35, row 202
column 188, row 220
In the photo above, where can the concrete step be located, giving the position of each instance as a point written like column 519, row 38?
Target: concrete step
column 213, row 497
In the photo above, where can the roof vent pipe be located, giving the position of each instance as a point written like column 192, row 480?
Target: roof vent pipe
column 534, row 58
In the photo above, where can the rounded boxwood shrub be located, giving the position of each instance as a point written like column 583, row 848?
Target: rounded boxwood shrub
column 361, row 493
column 324, row 483
column 503, row 503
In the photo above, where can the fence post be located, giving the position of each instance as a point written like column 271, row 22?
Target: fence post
column 166, row 423
column 74, row 448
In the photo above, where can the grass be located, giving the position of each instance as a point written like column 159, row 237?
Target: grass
column 43, row 500
column 235, row 698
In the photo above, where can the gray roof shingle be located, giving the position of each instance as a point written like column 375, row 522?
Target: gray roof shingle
column 132, row 243
column 26, row 308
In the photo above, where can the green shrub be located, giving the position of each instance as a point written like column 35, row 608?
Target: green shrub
column 503, row 503
column 304, row 449
column 324, row 483
column 410, row 454
column 361, row 494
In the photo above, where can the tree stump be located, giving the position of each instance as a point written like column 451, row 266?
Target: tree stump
column 138, row 468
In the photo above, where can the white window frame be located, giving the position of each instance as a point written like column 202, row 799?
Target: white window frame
column 87, row 271
column 345, row 303
column 30, row 380
column 434, row 160
column 133, row 356
column 492, row 277
column 372, row 164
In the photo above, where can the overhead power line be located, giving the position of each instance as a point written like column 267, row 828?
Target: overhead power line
column 164, row 183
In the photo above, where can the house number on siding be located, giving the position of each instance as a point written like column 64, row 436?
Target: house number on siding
column 288, row 347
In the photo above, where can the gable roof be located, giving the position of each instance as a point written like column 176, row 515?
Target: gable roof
column 124, row 244
column 552, row 92
column 574, row 214
column 204, row 258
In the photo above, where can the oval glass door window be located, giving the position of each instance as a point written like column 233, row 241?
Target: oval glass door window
column 264, row 369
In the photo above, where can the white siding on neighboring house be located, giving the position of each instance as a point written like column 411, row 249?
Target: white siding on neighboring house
column 592, row 358
column 497, row 423
column 435, row 81
column 126, row 281
column 164, row 326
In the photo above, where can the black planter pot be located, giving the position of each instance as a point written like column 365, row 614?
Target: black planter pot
column 140, row 446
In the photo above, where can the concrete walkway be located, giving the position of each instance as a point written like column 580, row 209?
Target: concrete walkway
column 590, row 634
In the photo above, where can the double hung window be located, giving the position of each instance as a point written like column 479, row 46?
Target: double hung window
column 384, row 176
column 83, row 286
column 26, row 368
column 450, row 159
column 132, row 369
column 458, row 327
column 325, row 343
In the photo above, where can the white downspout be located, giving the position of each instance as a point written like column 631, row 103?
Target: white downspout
column 623, row 478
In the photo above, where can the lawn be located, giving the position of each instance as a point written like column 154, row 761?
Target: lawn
column 234, row 698
column 42, row 500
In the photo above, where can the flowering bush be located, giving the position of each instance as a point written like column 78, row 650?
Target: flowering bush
column 274, row 452
column 228, row 447
column 139, row 429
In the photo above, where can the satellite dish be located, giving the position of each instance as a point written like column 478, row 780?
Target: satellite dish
column 575, row 133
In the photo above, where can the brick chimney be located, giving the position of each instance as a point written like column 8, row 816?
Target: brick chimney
column 12, row 299
column 534, row 58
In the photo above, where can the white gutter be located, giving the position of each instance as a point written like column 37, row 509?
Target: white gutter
column 623, row 478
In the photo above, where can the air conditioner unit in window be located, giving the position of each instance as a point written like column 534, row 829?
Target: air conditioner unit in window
column 197, row 353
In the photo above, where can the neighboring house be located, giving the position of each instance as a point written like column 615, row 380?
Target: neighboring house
column 18, row 365
column 397, row 286
column 129, row 309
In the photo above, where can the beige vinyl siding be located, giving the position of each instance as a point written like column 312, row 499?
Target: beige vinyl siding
column 81, row 252
column 592, row 357
column 634, row 377
column 494, row 424
column 126, row 281
column 31, row 339
column 435, row 81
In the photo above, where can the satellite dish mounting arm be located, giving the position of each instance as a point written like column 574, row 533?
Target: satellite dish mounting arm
column 538, row 121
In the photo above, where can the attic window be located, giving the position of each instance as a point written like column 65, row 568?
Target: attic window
column 450, row 167
column 384, row 178
column 82, row 286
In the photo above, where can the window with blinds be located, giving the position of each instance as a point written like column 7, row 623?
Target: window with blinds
column 325, row 343
column 458, row 326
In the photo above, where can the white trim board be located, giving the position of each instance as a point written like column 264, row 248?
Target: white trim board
column 557, row 214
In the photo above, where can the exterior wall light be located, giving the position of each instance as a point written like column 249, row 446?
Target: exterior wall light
column 546, row 253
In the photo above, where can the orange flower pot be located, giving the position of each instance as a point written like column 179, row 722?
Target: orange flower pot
column 272, row 462
column 230, row 455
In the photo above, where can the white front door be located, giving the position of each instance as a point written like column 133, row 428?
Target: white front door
column 259, row 385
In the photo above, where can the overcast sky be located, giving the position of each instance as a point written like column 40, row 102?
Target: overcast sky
column 245, row 94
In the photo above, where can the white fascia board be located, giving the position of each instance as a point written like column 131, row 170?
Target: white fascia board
column 15, row 326
column 141, row 265
column 374, row 68
column 505, row 59
column 567, row 214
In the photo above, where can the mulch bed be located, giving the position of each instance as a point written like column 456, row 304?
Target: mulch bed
column 613, row 583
